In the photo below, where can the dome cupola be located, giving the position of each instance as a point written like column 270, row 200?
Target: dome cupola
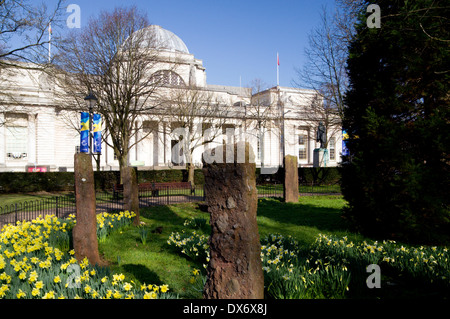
column 154, row 36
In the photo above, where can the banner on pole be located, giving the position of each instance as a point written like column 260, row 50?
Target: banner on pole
column 345, row 151
column 97, row 127
column 84, row 133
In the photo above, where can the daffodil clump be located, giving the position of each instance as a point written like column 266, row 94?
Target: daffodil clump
column 107, row 223
column 330, row 267
column 36, row 263
column 424, row 264
column 291, row 273
column 286, row 272
column 192, row 244
column 196, row 223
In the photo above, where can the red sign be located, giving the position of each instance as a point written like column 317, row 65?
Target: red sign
column 37, row 169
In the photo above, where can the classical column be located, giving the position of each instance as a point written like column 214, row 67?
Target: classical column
column 31, row 156
column 2, row 141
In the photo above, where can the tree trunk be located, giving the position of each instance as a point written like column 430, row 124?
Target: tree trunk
column 191, row 172
column 84, row 233
column 131, row 192
column 123, row 163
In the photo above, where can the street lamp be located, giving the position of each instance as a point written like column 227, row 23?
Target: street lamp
column 91, row 100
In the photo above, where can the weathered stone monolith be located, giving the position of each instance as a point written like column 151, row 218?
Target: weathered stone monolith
column 84, row 233
column 290, row 186
column 131, row 192
column 235, row 269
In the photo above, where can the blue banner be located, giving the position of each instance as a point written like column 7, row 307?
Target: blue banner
column 345, row 151
column 97, row 127
column 84, row 133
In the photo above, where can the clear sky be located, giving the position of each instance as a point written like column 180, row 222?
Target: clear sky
column 237, row 40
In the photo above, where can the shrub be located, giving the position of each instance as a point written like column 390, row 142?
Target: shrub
column 396, row 177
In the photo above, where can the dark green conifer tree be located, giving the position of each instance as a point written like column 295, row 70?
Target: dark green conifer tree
column 397, row 175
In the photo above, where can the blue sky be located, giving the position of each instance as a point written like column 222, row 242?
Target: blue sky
column 235, row 39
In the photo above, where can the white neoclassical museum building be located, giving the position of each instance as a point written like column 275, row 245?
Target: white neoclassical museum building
column 34, row 134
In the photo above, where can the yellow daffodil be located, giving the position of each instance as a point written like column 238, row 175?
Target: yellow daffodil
column 35, row 292
column 150, row 295
column 20, row 294
column 87, row 289
column 127, row 286
column 39, row 284
column 164, row 288
column 49, row 295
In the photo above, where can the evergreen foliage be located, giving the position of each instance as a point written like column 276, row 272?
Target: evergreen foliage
column 396, row 177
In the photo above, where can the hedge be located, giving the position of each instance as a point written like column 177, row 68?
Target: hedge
column 64, row 181
column 306, row 175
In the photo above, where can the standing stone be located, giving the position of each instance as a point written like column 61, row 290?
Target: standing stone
column 131, row 192
column 290, row 186
column 235, row 268
column 84, row 233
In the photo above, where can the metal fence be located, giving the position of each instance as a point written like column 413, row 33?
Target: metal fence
column 276, row 190
column 64, row 205
column 61, row 206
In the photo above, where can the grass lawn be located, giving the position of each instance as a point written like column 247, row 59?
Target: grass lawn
column 157, row 262
column 310, row 253
column 153, row 262
column 10, row 199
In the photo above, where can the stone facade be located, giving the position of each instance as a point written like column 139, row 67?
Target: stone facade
column 38, row 134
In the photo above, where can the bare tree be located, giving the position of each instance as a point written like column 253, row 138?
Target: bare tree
column 261, row 114
column 198, row 117
column 24, row 40
column 325, row 68
column 24, row 31
column 326, row 56
column 113, row 57
column 320, row 109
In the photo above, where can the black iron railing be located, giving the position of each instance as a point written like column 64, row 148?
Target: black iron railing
column 276, row 190
column 64, row 205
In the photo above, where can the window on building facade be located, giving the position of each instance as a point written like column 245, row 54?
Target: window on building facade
column 16, row 133
column 332, row 147
column 167, row 78
column 302, row 143
column 16, row 142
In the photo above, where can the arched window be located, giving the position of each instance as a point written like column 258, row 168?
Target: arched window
column 167, row 78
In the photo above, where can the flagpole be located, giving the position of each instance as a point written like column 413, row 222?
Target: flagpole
column 50, row 42
column 240, row 85
column 278, row 70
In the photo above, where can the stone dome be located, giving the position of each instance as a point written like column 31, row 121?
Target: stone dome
column 155, row 36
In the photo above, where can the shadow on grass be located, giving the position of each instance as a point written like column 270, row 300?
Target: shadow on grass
column 301, row 214
column 162, row 214
column 142, row 273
